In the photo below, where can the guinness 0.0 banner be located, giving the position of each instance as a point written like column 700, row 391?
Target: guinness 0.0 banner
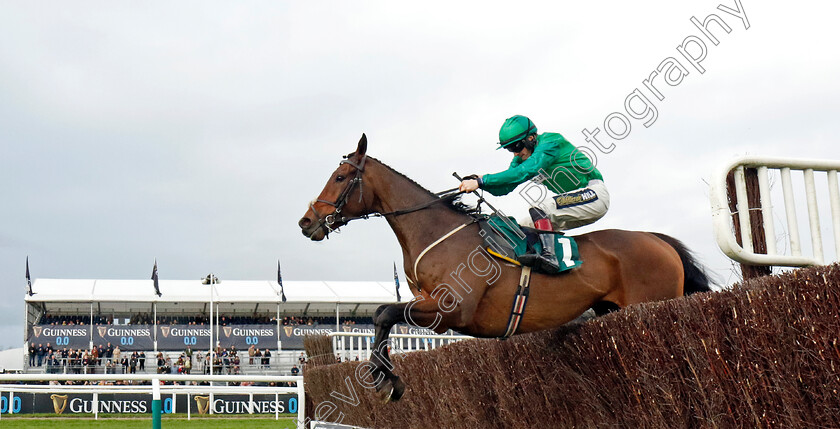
column 293, row 335
column 244, row 336
column 135, row 403
column 129, row 338
column 60, row 336
column 178, row 337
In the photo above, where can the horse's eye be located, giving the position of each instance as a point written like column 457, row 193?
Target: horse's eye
column 339, row 178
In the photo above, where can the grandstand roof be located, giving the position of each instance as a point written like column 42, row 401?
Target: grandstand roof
column 313, row 295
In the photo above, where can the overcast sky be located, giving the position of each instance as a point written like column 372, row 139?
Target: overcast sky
column 196, row 132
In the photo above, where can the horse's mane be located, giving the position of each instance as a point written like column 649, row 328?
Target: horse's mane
column 451, row 203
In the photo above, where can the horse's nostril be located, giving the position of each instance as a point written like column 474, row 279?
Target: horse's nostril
column 304, row 222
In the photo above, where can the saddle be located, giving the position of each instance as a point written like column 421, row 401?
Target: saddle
column 507, row 240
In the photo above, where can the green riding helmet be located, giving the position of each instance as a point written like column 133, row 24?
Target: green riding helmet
column 514, row 129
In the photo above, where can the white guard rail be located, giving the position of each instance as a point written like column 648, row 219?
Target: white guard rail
column 357, row 346
column 722, row 218
column 156, row 378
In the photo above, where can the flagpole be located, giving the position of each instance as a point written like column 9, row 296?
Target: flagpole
column 28, row 278
column 283, row 299
column 397, row 283
column 211, row 330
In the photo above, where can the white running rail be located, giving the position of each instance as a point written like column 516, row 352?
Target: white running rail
column 155, row 379
column 722, row 218
column 355, row 345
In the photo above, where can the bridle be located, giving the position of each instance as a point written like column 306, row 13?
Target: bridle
column 329, row 220
column 336, row 218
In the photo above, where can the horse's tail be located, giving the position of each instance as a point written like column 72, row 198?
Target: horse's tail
column 696, row 279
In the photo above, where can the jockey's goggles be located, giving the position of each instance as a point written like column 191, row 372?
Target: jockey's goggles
column 516, row 147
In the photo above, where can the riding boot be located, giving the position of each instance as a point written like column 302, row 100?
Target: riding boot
column 546, row 260
column 532, row 257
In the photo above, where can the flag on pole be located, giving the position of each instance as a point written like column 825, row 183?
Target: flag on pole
column 280, row 282
column 155, row 278
column 28, row 279
column 397, row 282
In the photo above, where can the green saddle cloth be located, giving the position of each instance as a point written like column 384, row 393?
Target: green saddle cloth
column 506, row 239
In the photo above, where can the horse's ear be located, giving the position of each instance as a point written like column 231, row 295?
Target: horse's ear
column 362, row 148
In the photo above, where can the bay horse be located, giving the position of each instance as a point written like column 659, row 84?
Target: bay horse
column 458, row 285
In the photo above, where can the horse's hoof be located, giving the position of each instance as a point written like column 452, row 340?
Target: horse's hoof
column 398, row 389
column 385, row 390
column 392, row 390
column 389, row 395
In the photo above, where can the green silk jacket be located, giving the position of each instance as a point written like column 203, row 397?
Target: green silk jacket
column 564, row 167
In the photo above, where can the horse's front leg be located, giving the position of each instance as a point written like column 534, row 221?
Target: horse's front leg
column 420, row 312
column 384, row 319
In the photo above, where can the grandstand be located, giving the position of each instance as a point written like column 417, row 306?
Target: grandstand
column 76, row 326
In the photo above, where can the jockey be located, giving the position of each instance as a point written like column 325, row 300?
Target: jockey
column 577, row 195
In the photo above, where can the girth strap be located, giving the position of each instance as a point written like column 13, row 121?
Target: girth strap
column 520, row 300
column 431, row 246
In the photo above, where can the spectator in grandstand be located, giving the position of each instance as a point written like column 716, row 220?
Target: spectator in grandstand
column 179, row 364
column 168, row 366
column 258, row 357
column 91, row 365
column 40, row 353
column 124, row 362
column 117, row 354
column 235, row 364
column 71, row 360
column 188, row 353
column 64, row 355
column 251, row 353
column 302, row 359
column 53, row 364
column 109, row 351
column 109, row 367
column 161, row 362
column 77, row 363
column 188, row 365
column 295, row 370
column 142, row 361
column 94, row 354
column 100, row 353
column 33, row 351
column 133, row 363
column 266, row 360
column 225, row 361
